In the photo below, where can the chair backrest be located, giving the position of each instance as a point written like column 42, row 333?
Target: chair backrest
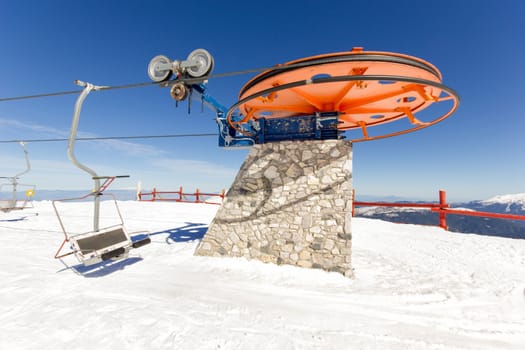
column 102, row 240
column 92, row 246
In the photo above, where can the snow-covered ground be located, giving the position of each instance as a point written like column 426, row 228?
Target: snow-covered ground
column 415, row 288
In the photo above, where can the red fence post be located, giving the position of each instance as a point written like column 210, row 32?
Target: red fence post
column 197, row 196
column 180, row 194
column 154, row 194
column 442, row 206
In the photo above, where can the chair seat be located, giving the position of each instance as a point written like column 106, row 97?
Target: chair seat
column 109, row 243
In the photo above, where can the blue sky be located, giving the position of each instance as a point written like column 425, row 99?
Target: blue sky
column 477, row 45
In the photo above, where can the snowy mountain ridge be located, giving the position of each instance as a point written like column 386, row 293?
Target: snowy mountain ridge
column 508, row 199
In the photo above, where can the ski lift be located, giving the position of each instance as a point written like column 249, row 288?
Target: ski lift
column 102, row 243
column 319, row 97
column 16, row 202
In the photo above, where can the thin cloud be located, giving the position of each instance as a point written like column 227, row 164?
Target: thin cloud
column 127, row 147
column 49, row 131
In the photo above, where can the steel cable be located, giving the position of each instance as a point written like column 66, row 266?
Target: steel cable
column 110, row 138
column 271, row 70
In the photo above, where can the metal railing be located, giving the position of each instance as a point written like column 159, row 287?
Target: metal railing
column 442, row 208
column 180, row 196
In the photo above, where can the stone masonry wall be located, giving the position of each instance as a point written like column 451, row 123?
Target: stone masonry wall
column 289, row 204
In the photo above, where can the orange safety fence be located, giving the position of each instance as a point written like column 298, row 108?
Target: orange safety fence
column 442, row 208
column 180, row 196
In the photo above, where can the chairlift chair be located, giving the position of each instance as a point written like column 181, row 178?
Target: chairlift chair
column 101, row 244
column 15, row 202
column 104, row 243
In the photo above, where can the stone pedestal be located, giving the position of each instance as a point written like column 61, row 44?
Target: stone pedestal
column 291, row 204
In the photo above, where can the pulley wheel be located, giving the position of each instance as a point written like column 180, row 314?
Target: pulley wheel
column 158, row 68
column 204, row 63
column 363, row 88
column 179, row 92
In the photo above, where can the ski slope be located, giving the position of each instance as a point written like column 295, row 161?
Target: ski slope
column 415, row 288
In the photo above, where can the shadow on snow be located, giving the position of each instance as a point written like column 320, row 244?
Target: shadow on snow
column 190, row 232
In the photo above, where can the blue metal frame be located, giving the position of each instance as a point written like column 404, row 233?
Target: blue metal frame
column 321, row 126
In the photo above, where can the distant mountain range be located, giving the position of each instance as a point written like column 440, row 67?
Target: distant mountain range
column 507, row 204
